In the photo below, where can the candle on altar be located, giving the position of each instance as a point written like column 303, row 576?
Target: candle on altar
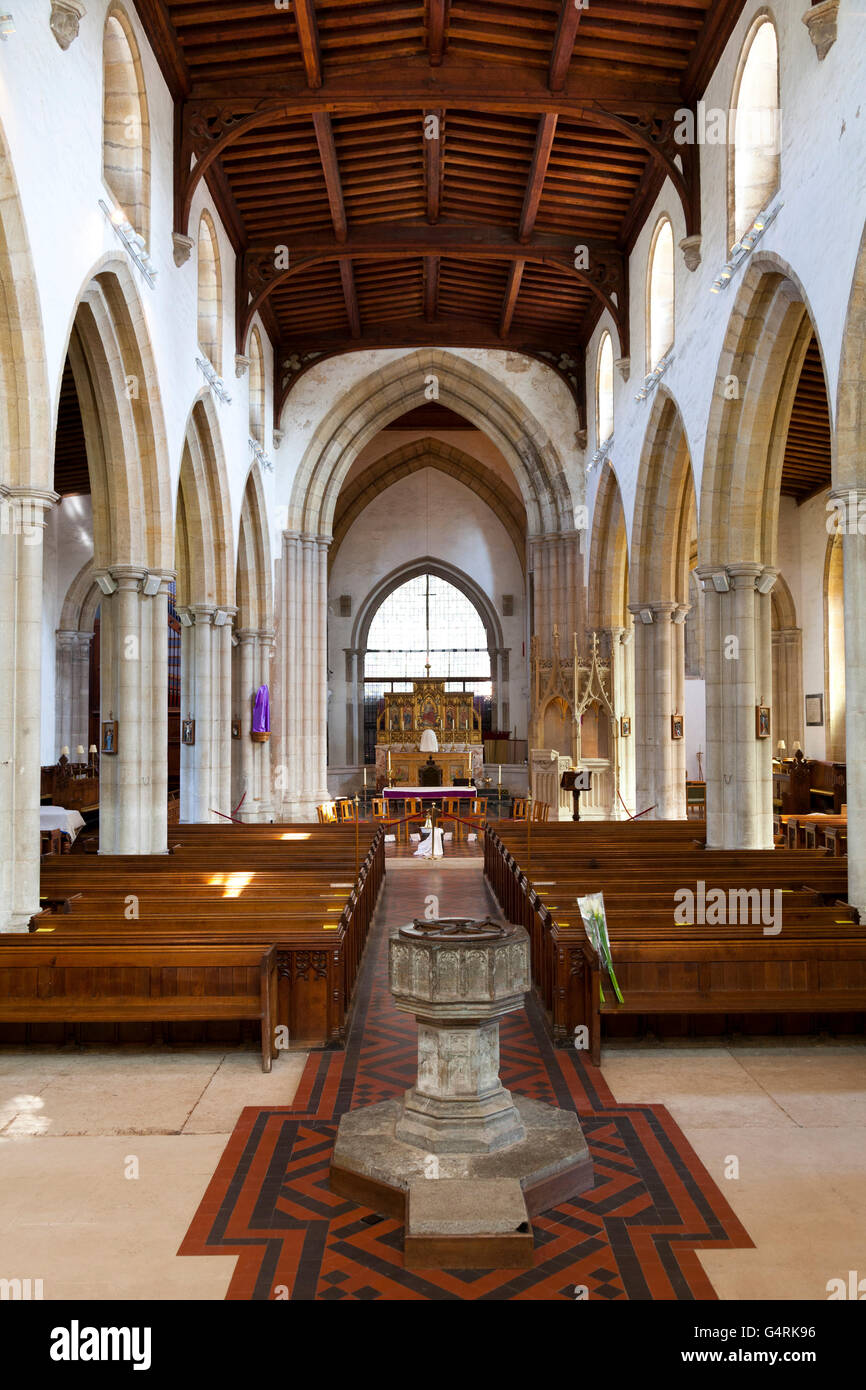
column 389, row 763
column 500, row 777
column 365, row 777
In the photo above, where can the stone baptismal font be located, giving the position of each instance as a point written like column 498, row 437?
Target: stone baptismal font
column 459, row 1159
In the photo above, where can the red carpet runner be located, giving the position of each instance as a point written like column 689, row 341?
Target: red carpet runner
column 634, row 1236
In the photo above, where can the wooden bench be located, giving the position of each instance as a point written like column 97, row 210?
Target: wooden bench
column 70, row 983
column 246, row 885
column 816, row 964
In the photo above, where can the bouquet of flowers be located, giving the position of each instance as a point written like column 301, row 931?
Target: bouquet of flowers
column 595, row 926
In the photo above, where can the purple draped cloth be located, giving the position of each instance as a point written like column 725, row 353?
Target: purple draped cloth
column 262, row 712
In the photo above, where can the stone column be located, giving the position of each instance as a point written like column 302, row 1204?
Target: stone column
column 22, row 523
column 854, row 574
column 133, row 799
column 72, row 690
column 205, row 669
column 738, row 664
column 252, row 760
column 659, row 682
column 787, row 646
column 302, row 772
column 622, row 672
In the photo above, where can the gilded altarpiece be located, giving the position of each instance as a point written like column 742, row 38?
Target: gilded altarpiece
column 451, row 715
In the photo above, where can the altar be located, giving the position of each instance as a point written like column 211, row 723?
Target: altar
column 451, row 715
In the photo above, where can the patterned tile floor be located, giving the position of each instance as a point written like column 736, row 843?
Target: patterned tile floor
column 634, row 1236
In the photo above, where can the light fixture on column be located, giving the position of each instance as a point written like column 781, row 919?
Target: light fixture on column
column 185, row 617
column 721, row 582
column 107, row 583
column 150, row 585
column 744, row 247
column 765, row 581
column 131, row 239
column 646, row 615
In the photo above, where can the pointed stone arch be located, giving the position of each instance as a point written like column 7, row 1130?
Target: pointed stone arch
column 664, row 530
column 252, row 653
column 430, row 453
column 116, row 380
column 608, row 557
column 26, row 493
column 203, row 556
column 665, row 520
column 766, row 341
column 463, row 387
column 254, row 582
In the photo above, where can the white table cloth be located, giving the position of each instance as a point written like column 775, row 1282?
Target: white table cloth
column 58, row 818
column 431, row 846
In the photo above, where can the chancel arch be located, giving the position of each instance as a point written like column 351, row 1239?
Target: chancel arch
column 540, row 481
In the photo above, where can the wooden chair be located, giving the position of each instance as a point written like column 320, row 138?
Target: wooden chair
column 346, row 810
column 518, row 808
column 380, row 808
column 451, row 812
column 327, row 813
column 540, row 811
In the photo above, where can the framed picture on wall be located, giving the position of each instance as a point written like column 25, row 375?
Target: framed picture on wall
column 187, row 732
column 624, row 725
column 676, row 726
column 814, row 709
column 762, row 721
column 109, row 736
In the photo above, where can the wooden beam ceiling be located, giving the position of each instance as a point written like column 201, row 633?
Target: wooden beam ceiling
column 554, row 128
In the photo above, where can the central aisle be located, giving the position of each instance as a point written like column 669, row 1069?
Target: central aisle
column 269, row 1203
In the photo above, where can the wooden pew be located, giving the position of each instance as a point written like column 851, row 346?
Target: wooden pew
column 243, row 885
column 72, row 983
column 817, row 963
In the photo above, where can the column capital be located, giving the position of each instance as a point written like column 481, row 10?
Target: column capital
column 659, row 608
column 73, row 637
column 744, row 573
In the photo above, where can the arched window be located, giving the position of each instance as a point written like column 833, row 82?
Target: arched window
column 210, row 293
column 604, row 390
column 257, row 389
column 660, row 294
column 428, row 619
column 125, row 126
column 753, row 175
